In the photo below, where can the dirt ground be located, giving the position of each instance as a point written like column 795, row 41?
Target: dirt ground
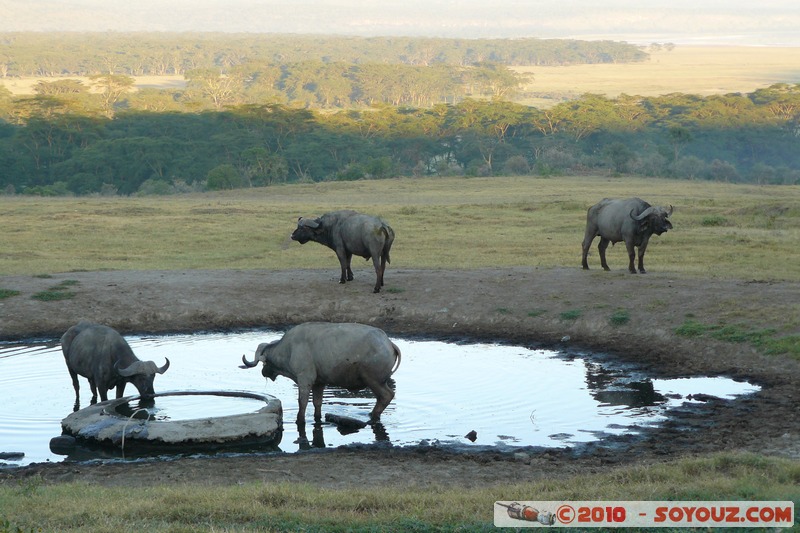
column 520, row 305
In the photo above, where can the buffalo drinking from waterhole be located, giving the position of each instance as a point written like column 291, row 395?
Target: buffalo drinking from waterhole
column 102, row 356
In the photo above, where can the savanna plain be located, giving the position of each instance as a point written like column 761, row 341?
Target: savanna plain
column 483, row 259
column 494, row 259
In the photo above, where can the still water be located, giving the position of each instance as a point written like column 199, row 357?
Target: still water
column 508, row 395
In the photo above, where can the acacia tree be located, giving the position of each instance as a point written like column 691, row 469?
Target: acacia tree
column 111, row 87
column 210, row 83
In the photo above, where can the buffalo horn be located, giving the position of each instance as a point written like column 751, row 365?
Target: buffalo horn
column 644, row 214
column 249, row 364
column 670, row 210
column 142, row 367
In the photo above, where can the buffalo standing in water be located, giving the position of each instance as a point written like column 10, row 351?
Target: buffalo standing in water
column 316, row 354
column 349, row 233
column 632, row 220
column 102, row 356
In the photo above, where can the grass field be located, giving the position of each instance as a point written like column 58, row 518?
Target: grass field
column 721, row 230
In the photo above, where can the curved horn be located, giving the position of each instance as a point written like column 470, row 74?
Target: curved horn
column 670, row 210
column 644, row 214
column 164, row 368
column 137, row 367
column 249, row 364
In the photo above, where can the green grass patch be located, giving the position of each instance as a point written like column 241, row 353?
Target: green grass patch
column 503, row 311
column 620, row 317
column 7, row 293
column 572, row 314
column 714, row 220
column 533, row 313
column 58, row 292
column 765, row 339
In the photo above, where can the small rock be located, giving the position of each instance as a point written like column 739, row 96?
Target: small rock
column 12, row 456
column 472, row 436
column 62, row 445
column 565, row 338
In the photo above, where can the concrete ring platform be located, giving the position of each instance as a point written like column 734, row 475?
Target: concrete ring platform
column 102, row 424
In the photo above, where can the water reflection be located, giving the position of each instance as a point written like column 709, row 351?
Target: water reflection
column 614, row 387
column 506, row 395
column 379, row 434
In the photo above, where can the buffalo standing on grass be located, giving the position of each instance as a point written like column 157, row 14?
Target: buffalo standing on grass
column 632, row 220
column 349, row 233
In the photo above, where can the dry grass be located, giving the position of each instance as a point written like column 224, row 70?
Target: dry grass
column 24, row 86
column 702, row 70
column 721, row 230
column 289, row 507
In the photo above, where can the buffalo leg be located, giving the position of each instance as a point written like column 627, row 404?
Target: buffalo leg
column 94, row 392
column 632, row 256
column 349, row 270
column 383, row 393
column 302, row 403
column 316, row 395
column 587, row 243
column 601, row 248
column 120, row 390
column 344, row 263
column 378, row 273
column 77, row 387
column 642, row 248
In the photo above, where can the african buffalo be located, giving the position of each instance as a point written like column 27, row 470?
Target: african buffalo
column 632, row 220
column 102, row 356
column 316, row 354
column 349, row 233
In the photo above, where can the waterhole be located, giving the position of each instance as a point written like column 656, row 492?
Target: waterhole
column 499, row 395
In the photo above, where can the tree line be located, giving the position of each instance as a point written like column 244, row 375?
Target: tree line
column 139, row 54
column 50, row 145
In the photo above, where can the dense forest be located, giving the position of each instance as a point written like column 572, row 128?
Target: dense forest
column 310, row 118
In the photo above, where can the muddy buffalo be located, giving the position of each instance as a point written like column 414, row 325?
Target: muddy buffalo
column 317, row 354
column 350, row 233
column 632, row 220
column 102, row 356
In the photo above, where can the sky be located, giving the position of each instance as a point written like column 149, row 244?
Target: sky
column 743, row 22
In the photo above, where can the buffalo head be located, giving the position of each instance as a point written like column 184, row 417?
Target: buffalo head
column 656, row 218
column 268, row 371
column 306, row 229
column 142, row 374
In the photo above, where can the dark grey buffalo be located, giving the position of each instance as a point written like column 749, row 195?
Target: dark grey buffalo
column 632, row 220
column 349, row 233
column 102, row 356
column 317, row 354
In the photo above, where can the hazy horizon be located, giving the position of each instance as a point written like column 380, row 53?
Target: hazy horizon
column 771, row 23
